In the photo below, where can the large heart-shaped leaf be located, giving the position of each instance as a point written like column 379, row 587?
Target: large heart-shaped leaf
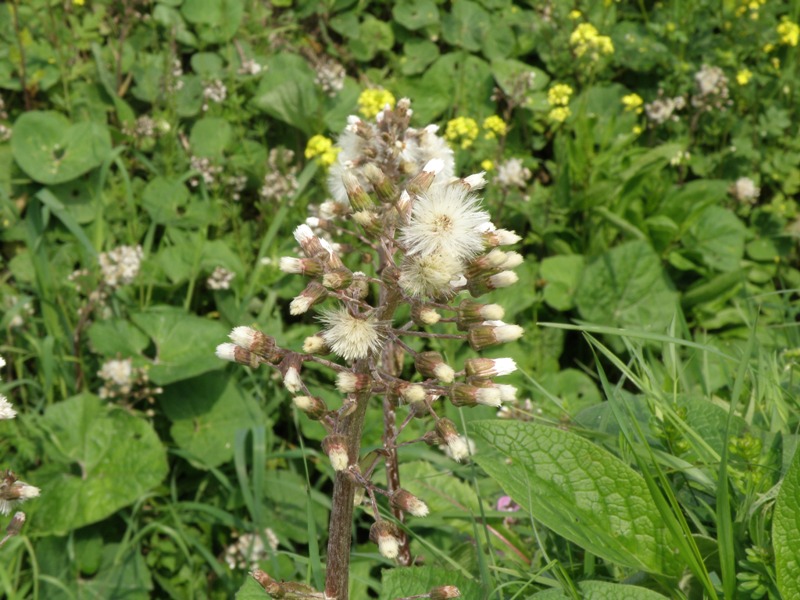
column 100, row 459
column 50, row 149
column 581, row 491
column 786, row 532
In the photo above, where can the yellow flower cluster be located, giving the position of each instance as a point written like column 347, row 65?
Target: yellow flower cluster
column 586, row 39
column 558, row 97
column 744, row 76
column 751, row 7
column 789, row 32
column 494, row 126
column 633, row 103
column 322, row 149
column 462, row 130
column 78, row 2
column 372, row 101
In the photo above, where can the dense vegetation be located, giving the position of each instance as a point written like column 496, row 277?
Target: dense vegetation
column 155, row 158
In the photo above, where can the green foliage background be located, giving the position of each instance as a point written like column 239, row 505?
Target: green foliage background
column 651, row 452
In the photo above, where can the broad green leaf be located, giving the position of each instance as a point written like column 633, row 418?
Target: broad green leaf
column 165, row 199
column 50, row 149
column 786, row 532
column 416, row 14
column 288, row 93
column 100, row 459
column 184, row 343
column 512, row 75
column 627, row 287
column 443, row 493
column 561, row 275
column 206, row 412
column 210, row 137
column 602, row 590
column 216, row 21
column 208, row 65
column 374, row 36
column 250, row 590
column 717, row 237
column 113, row 337
column 410, row 581
column 465, row 25
column 580, row 491
column 417, row 55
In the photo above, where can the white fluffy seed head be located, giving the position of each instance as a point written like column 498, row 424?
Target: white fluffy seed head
column 429, row 275
column 413, row 393
column 435, row 166
column 458, row 448
column 349, row 336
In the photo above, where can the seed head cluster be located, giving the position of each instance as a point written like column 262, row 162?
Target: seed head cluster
column 396, row 260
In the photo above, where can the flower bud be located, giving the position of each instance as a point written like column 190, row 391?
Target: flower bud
column 237, row 354
column 15, row 526
column 475, row 181
column 315, row 344
column 313, row 407
column 359, row 289
column 500, row 237
column 486, row 368
column 513, row 260
column 337, row 278
column 457, row 445
column 444, row 592
column 424, row 315
column 382, row 185
column 387, row 536
column 432, row 365
column 253, row 340
column 292, row 381
column 408, row 502
column 335, row 446
column 463, row 394
column 423, row 180
column 491, row 333
column 311, row 244
column 272, row 587
column 313, row 294
column 412, row 393
column 349, row 383
column 471, row 312
column 300, row 266
column 359, row 199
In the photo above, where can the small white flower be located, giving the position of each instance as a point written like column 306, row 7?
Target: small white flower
column 227, row 352
column 6, row 409
column 429, row 275
column 292, row 380
column 351, row 337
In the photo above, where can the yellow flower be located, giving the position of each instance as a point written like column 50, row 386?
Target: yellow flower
column 776, row 62
column 768, row 48
column 322, row 149
column 637, row 130
column 372, row 101
column 586, row 38
column 559, row 114
column 494, row 126
column 559, row 94
column 463, row 130
column 575, row 15
column 79, row 2
column 633, row 103
column 487, row 165
column 744, row 76
column 789, row 32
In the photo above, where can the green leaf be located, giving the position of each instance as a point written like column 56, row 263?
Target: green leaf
column 580, row 491
column 288, row 93
column 165, row 199
column 443, row 493
column 208, row 65
column 416, row 14
column 206, row 412
column 216, row 21
column 50, row 149
column 465, row 25
column 627, row 287
column 417, row 55
column 374, row 36
column 399, row 583
column 509, row 73
column 210, row 137
column 113, row 337
column 100, row 459
column 602, row 590
column 184, row 343
column 562, row 274
column 717, row 236
column 786, row 532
